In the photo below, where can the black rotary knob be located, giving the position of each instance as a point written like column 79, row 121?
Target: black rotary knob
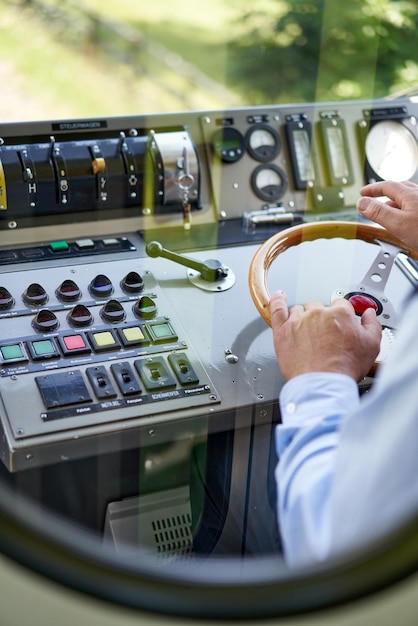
column 101, row 286
column 145, row 308
column 132, row 283
column 113, row 311
column 35, row 295
column 68, row 291
column 6, row 299
column 45, row 320
column 80, row 316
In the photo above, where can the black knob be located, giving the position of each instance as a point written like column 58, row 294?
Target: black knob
column 68, row 291
column 6, row 299
column 45, row 320
column 101, row 286
column 132, row 283
column 145, row 308
column 34, row 295
column 80, row 316
column 113, row 311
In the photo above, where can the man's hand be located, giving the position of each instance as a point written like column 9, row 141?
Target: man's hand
column 316, row 338
column 398, row 214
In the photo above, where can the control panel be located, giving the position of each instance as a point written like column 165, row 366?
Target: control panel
column 124, row 253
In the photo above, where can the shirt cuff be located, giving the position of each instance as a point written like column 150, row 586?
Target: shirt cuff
column 314, row 398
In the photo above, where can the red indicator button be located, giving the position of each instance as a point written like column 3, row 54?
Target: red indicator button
column 361, row 303
column 74, row 342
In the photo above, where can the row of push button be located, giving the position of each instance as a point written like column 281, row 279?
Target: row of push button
column 157, row 332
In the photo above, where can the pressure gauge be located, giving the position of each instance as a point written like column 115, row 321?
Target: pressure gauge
column 228, row 144
column 391, row 151
column 299, row 137
column 263, row 142
column 269, row 182
column 337, row 153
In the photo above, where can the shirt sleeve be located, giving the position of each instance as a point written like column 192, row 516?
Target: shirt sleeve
column 348, row 470
column 312, row 407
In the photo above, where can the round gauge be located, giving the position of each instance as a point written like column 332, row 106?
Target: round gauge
column 263, row 142
column 392, row 150
column 228, row 144
column 269, row 182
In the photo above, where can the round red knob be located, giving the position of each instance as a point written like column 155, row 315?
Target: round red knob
column 361, row 303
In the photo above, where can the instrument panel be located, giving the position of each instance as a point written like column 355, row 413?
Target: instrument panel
column 101, row 341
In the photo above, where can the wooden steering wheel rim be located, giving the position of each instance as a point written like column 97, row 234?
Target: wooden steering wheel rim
column 275, row 245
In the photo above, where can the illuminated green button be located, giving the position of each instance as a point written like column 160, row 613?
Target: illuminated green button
column 43, row 348
column 13, row 352
column 59, row 246
column 162, row 331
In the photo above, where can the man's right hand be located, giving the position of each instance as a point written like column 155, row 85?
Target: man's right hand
column 318, row 338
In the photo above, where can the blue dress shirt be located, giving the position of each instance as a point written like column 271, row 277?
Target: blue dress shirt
column 348, row 467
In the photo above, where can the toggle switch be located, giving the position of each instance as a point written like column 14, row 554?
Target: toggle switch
column 183, row 368
column 125, row 378
column 100, row 381
column 155, row 373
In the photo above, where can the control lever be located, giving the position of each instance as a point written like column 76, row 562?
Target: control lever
column 210, row 275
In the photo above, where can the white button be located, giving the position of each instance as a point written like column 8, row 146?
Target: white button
column 290, row 408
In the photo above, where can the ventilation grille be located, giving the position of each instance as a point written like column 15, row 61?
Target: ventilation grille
column 159, row 523
column 173, row 534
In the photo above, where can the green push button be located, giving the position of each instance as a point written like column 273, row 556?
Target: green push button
column 59, row 246
column 13, row 352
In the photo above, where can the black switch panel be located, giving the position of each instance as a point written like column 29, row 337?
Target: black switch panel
column 155, row 373
column 125, row 378
column 62, row 389
column 183, row 368
column 100, row 382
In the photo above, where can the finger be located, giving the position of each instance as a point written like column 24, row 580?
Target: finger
column 279, row 311
column 370, row 322
column 391, row 189
column 342, row 303
column 384, row 214
column 313, row 304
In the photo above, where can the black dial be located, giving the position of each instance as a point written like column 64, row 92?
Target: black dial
column 269, row 182
column 228, row 144
column 263, row 142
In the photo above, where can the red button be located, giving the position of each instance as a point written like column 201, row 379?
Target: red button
column 74, row 342
column 361, row 303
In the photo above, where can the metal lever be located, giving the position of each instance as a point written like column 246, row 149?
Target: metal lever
column 210, row 271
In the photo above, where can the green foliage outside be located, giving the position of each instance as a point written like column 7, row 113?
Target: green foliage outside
column 113, row 58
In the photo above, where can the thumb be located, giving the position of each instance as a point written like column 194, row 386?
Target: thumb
column 279, row 311
column 370, row 323
column 377, row 211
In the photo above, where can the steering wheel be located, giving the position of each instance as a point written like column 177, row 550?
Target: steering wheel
column 369, row 292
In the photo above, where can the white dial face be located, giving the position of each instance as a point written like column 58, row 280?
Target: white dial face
column 392, row 151
column 261, row 137
column 268, row 177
